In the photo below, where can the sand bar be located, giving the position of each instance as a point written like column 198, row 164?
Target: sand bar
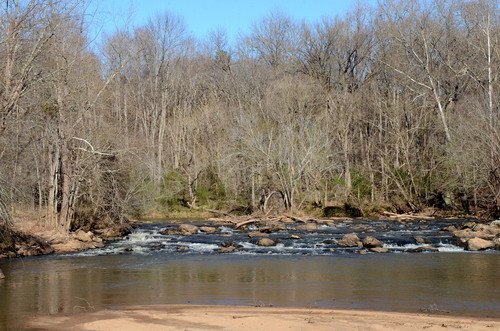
column 189, row 317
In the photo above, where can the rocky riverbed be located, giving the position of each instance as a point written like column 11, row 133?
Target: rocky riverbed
column 265, row 235
column 293, row 236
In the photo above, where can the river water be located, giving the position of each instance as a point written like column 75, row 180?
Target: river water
column 149, row 268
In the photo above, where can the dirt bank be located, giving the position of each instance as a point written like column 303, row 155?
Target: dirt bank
column 29, row 235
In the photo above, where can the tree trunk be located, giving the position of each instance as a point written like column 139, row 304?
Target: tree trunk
column 66, row 170
column 54, row 164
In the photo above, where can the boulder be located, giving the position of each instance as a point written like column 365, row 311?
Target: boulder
column 421, row 240
column 372, row 242
column 293, row 236
column 349, row 240
column 307, row 227
column 487, row 229
column 270, row 227
column 187, row 229
column 477, row 244
column 229, row 249
column 83, row 236
column 496, row 241
column 98, row 244
column 480, row 227
column 266, row 242
column 469, row 233
column 116, row 231
column 378, row 249
column 209, row 229
column 464, row 233
column 421, row 249
column 468, row 225
column 169, row 231
column 255, row 234
column 450, row 228
column 72, row 245
column 493, row 229
column 182, row 249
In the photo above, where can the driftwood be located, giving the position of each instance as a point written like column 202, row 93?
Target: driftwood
column 296, row 219
column 407, row 216
column 254, row 220
column 332, row 218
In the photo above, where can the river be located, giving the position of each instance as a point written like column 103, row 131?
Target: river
column 148, row 268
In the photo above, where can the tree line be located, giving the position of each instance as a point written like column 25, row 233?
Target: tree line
column 393, row 105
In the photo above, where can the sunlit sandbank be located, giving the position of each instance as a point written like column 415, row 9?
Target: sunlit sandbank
column 175, row 317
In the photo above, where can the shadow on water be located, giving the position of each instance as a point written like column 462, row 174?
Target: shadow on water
column 460, row 283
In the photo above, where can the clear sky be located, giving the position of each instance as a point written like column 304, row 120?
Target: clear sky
column 202, row 16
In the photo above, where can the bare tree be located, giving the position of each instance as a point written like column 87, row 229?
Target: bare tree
column 271, row 40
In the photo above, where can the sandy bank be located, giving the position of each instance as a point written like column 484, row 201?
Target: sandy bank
column 174, row 317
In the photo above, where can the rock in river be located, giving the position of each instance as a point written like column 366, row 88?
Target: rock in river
column 183, row 229
column 307, row 227
column 209, row 229
column 271, row 227
column 372, row 242
column 378, row 249
column 477, row 244
column 266, row 242
column 229, row 249
column 187, row 229
column 254, row 234
column 349, row 240
column 421, row 240
column 422, row 249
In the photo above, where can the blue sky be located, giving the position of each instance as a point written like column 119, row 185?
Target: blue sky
column 202, row 16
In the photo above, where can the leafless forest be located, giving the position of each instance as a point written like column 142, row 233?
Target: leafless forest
column 394, row 106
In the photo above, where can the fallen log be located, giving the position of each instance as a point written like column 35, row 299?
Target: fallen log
column 296, row 219
column 407, row 216
column 255, row 220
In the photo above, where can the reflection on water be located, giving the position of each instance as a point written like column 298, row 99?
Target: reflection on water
column 460, row 283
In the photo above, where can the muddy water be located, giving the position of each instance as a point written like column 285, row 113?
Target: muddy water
column 460, row 283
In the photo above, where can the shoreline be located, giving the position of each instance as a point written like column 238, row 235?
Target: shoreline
column 203, row 317
column 34, row 239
